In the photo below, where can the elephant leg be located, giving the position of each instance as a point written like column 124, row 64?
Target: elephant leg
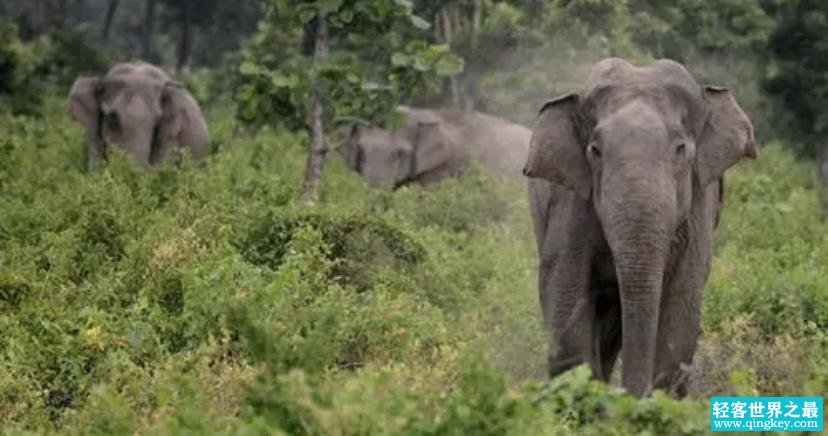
column 607, row 331
column 678, row 332
column 572, row 338
column 566, row 257
column 568, row 312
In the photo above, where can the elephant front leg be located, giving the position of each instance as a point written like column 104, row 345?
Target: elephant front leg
column 680, row 312
column 568, row 313
column 678, row 332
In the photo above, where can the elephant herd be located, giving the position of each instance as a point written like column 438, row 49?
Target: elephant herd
column 625, row 180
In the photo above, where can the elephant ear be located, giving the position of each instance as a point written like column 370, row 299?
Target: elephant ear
column 727, row 136
column 430, row 147
column 182, row 120
column 556, row 153
column 83, row 101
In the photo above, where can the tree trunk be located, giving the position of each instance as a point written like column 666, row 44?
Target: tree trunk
column 111, row 8
column 316, row 153
column 477, row 20
column 149, row 24
column 469, row 88
column 447, row 33
column 186, row 34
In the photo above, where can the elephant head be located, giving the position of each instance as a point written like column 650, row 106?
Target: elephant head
column 640, row 144
column 390, row 159
column 138, row 107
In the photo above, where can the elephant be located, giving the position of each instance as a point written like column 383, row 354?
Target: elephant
column 432, row 145
column 138, row 107
column 626, row 183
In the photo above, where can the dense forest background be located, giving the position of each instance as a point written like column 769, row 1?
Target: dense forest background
column 213, row 298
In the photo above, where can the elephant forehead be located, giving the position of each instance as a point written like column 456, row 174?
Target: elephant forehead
column 130, row 107
column 139, row 69
column 637, row 121
column 615, row 71
column 673, row 102
column 126, row 91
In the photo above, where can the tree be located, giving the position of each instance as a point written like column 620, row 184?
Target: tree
column 186, row 41
column 148, row 29
column 799, row 46
column 799, row 49
column 519, row 53
column 318, row 33
column 111, row 9
column 378, row 57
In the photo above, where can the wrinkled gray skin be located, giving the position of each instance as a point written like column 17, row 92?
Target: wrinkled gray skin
column 626, row 191
column 138, row 107
column 432, row 145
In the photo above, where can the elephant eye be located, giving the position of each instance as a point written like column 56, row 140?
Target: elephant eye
column 681, row 149
column 593, row 150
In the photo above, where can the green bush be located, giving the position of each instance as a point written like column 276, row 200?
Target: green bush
column 358, row 244
column 20, row 90
column 30, row 69
column 773, row 248
column 204, row 299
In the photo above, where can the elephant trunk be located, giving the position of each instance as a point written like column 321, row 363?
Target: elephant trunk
column 95, row 146
column 638, row 223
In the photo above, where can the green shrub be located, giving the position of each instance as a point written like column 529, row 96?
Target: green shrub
column 31, row 69
column 360, row 244
column 203, row 299
column 773, row 246
column 20, row 89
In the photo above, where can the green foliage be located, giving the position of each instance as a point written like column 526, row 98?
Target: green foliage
column 202, row 299
column 525, row 52
column 775, row 263
column 359, row 244
column 29, row 69
column 379, row 56
column 19, row 90
column 683, row 30
column 798, row 77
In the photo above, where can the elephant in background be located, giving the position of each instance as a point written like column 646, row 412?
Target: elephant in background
column 625, row 192
column 432, row 145
column 138, row 107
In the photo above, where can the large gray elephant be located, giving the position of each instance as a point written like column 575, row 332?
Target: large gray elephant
column 626, row 189
column 138, row 107
column 432, row 145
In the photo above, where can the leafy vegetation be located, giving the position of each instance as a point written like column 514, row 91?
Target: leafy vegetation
column 379, row 56
column 205, row 299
